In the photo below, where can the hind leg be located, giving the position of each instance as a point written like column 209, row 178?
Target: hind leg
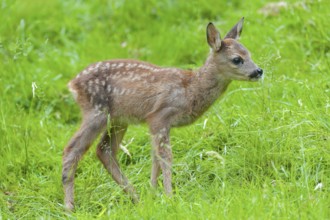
column 107, row 151
column 161, row 153
column 162, row 159
column 92, row 125
column 155, row 169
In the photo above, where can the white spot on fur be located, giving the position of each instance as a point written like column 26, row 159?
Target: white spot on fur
column 109, row 88
column 90, row 86
column 104, row 68
column 98, row 108
column 97, row 113
column 122, row 92
column 107, row 65
column 136, row 77
column 114, row 76
column 103, row 83
column 98, row 65
column 90, row 69
column 89, row 90
column 130, row 74
column 141, row 65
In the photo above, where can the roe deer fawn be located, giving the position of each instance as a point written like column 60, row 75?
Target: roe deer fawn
column 120, row 92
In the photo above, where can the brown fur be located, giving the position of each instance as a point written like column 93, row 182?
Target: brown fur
column 130, row 91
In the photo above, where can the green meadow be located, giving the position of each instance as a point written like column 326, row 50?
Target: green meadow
column 262, row 151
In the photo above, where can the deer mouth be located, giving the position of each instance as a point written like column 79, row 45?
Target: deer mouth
column 254, row 76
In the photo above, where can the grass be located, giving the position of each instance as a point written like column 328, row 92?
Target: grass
column 259, row 153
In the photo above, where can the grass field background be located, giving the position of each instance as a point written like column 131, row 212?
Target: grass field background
column 260, row 152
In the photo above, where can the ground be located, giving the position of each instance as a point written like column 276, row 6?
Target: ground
column 260, row 152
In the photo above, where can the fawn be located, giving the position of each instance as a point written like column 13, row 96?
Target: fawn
column 115, row 93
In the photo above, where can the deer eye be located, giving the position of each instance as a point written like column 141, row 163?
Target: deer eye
column 237, row 60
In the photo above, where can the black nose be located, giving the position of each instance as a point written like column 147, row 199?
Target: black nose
column 257, row 74
column 260, row 71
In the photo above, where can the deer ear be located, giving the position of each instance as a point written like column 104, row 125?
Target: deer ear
column 236, row 31
column 213, row 37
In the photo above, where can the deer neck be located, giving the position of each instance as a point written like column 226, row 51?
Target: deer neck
column 209, row 84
